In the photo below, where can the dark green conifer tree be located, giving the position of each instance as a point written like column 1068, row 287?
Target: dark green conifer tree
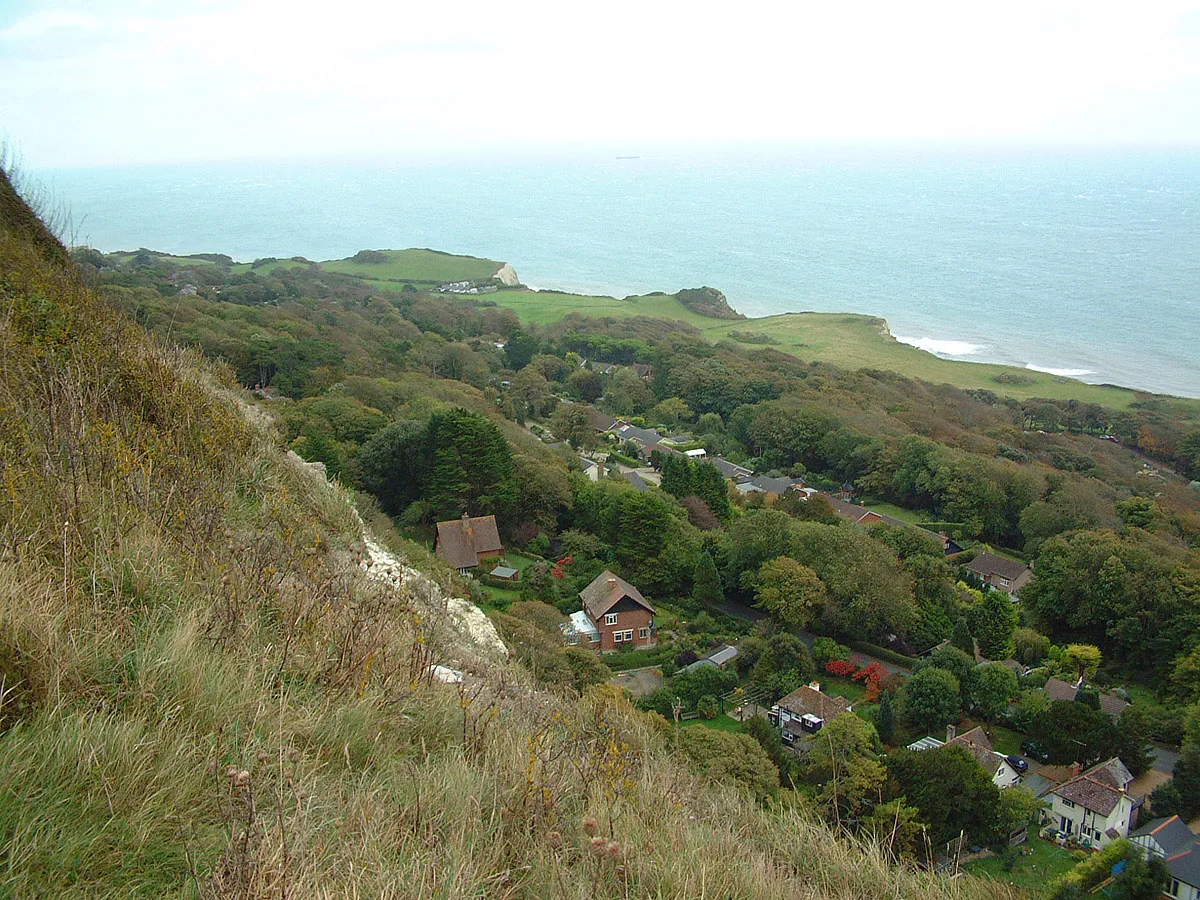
column 962, row 637
column 706, row 585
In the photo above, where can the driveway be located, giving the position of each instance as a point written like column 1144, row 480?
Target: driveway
column 640, row 682
column 1164, row 758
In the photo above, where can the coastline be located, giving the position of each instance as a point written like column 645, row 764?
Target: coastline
column 951, row 350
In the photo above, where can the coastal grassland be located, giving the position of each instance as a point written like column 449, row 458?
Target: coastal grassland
column 418, row 266
column 205, row 697
column 851, row 341
column 846, row 340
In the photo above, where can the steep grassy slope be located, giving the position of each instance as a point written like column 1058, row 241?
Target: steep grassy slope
column 204, row 695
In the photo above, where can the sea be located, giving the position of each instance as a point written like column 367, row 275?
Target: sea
column 1083, row 263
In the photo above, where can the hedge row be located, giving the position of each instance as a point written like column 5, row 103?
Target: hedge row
column 896, row 659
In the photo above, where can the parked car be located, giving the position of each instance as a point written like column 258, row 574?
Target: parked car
column 1017, row 763
column 1034, row 750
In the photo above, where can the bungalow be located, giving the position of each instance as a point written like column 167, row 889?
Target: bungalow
column 648, row 450
column 1008, row 575
column 728, row 469
column 641, row 436
column 600, row 421
column 1057, row 689
column 642, row 371
column 676, row 439
column 977, row 743
column 771, row 488
column 806, row 711
column 1094, row 807
column 619, row 612
column 592, row 469
column 465, row 542
column 638, row 482
column 699, row 453
column 1172, row 841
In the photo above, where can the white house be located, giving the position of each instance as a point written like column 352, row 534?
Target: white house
column 979, row 746
column 1093, row 807
column 1173, row 842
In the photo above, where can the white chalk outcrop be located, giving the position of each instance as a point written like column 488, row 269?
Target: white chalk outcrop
column 470, row 626
column 507, row 275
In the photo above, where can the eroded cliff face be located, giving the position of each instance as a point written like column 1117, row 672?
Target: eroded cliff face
column 507, row 275
column 466, row 634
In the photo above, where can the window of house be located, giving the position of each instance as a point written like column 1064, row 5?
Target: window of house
column 610, row 619
column 618, row 636
column 1174, row 891
column 1067, row 803
column 1004, row 582
column 643, row 633
column 629, row 635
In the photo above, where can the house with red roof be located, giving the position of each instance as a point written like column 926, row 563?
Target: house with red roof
column 622, row 617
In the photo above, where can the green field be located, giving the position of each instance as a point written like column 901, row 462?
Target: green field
column 424, row 266
column 544, row 307
column 1033, row 873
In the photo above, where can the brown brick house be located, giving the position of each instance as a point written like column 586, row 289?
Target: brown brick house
column 464, row 543
column 620, row 613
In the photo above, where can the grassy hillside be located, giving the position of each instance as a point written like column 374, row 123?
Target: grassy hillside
column 206, row 696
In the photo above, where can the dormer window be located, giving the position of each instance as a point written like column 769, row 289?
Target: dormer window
column 610, row 619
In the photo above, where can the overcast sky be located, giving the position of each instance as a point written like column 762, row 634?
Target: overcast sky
column 122, row 81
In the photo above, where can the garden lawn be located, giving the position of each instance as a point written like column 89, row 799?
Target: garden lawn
column 1034, row 873
column 720, row 723
column 1005, row 740
column 841, row 687
column 500, row 597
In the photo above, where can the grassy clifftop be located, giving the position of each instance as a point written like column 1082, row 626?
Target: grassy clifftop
column 204, row 695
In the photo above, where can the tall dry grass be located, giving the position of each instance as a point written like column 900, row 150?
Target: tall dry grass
column 202, row 696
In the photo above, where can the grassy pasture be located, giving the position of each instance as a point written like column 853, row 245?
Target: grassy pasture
column 544, row 307
column 855, row 341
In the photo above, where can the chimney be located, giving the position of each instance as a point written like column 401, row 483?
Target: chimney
column 1076, row 768
column 951, row 733
column 612, row 582
column 815, row 685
